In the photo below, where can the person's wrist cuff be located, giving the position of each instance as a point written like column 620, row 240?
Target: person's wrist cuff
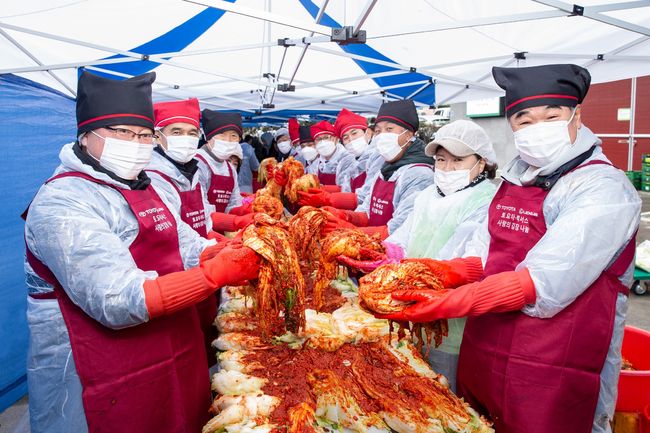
column 223, row 222
column 343, row 200
column 470, row 267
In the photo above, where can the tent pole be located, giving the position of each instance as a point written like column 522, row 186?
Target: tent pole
column 237, row 8
column 321, row 11
column 618, row 50
column 631, row 140
column 588, row 13
column 481, row 78
column 404, row 68
column 38, row 62
column 363, row 16
column 461, row 24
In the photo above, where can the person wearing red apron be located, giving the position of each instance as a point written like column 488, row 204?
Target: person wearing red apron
column 173, row 172
column 223, row 132
column 407, row 170
column 115, row 341
column 541, row 348
column 335, row 164
column 354, row 133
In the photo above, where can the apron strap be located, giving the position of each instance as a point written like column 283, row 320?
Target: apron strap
column 167, row 178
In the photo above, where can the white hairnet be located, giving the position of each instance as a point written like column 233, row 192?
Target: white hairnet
column 463, row 138
column 280, row 132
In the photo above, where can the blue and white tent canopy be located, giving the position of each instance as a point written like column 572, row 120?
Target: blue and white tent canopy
column 228, row 54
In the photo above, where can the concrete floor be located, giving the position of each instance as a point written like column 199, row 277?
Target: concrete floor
column 16, row 418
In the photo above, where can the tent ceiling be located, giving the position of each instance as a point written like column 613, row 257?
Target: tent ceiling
column 227, row 54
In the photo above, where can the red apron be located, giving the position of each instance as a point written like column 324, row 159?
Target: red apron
column 193, row 214
column 192, row 210
column 381, row 201
column 326, row 178
column 529, row 374
column 220, row 188
column 152, row 377
column 358, row 182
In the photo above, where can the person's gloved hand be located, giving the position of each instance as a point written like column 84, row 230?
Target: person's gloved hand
column 280, row 177
column 338, row 213
column 212, row 250
column 217, row 236
column 506, row 291
column 224, row 222
column 334, row 223
column 315, row 197
column 455, row 272
column 318, row 197
column 170, row 293
column 245, row 208
column 270, row 172
column 330, row 188
column 231, row 266
column 394, row 253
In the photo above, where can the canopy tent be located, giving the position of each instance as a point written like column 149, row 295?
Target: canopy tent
column 243, row 55
column 247, row 56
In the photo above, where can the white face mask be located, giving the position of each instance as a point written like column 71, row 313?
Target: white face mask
column 388, row 145
column 309, row 153
column 541, row 143
column 181, row 148
column 454, row 180
column 325, row 148
column 224, row 149
column 124, row 158
column 284, row 146
column 357, row 146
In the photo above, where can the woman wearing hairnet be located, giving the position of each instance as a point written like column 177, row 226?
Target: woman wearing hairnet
column 445, row 217
column 541, row 348
column 112, row 276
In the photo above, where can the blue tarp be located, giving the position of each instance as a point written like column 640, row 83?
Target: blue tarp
column 35, row 122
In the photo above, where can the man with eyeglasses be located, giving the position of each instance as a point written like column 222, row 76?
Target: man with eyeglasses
column 113, row 278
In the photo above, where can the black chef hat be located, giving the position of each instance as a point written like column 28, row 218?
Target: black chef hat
column 215, row 122
column 564, row 85
column 402, row 113
column 105, row 102
column 305, row 134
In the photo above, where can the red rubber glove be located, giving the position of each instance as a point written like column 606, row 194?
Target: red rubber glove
column 217, row 236
column 318, row 197
column 506, row 291
column 280, row 178
column 330, row 188
column 225, row 222
column 334, row 223
column 315, row 197
column 394, row 253
column 244, row 209
column 233, row 265
column 212, row 250
column 454, row 272
column 173, row 292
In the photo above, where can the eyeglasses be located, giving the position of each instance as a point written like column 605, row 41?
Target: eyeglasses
column 127, row 134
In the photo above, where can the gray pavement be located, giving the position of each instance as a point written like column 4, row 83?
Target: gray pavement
column 16, row 418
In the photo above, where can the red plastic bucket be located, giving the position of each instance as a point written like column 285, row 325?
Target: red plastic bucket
column 634, row 385
column 645, row 420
